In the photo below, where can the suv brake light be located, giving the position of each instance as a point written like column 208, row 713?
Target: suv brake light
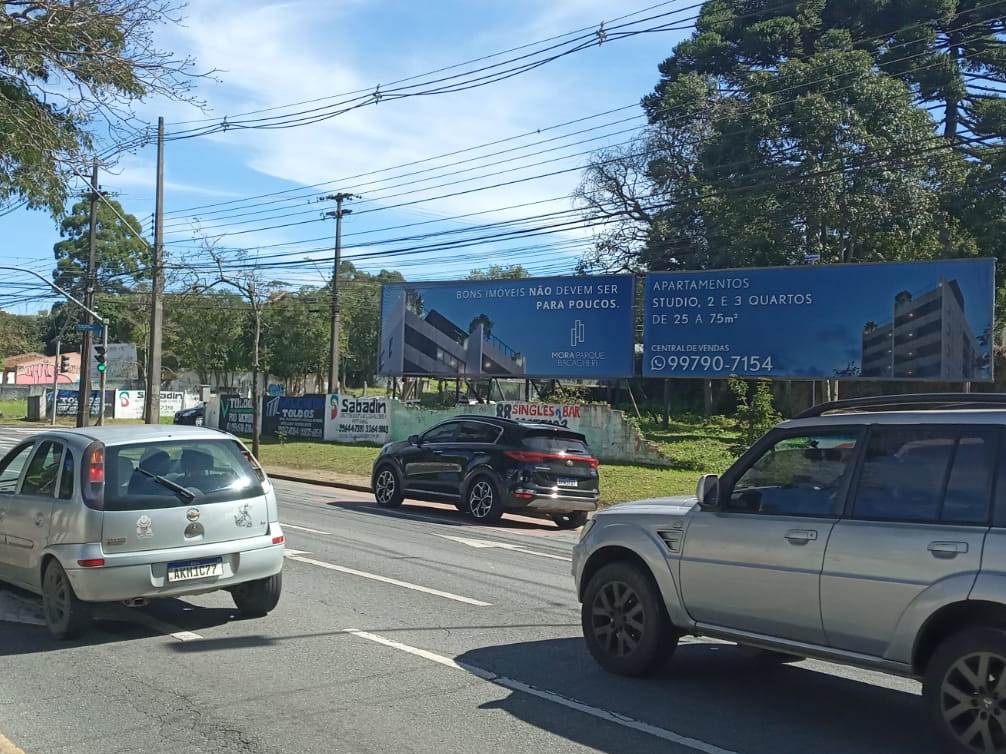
column 536, row 456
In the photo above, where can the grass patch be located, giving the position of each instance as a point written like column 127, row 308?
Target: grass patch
column 15, row 408
column 320, row 456
column 695, row 443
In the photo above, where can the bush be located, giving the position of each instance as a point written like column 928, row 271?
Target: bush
column 756, row 413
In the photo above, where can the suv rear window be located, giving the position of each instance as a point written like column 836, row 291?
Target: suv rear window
column 553, row 442
column 214, row 470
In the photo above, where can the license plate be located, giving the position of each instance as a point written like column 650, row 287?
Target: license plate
column 195, row 569
column 565, row 481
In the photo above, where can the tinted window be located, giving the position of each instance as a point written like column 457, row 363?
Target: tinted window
column 10, row 468
column 904, row 472
column 553, row 442
column 478, row 432
column 214, row 470
column 40, row 478
column 967, row 497
column 66, row 478
column 801, row 475
column 444, row 433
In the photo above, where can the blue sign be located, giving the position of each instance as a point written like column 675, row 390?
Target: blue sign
column 88, row 328
column 302, row 416
column 571, row 327
column 908, row 321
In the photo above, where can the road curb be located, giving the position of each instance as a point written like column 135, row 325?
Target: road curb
column 322, row 482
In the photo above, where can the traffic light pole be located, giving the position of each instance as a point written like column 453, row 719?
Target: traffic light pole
column 55, row 383
column 84, row 386
column 102, row 372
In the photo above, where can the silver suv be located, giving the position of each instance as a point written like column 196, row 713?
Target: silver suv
column 869, row 532
column 131, row 513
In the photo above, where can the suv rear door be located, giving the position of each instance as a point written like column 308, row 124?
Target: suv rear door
column 754, row 564
column 917, row 519
column 142, row 513
column 562, row 461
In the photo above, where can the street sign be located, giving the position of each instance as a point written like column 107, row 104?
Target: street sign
column 89, row 328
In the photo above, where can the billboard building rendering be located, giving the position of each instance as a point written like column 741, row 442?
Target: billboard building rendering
column 561, row 327
column 928, row 336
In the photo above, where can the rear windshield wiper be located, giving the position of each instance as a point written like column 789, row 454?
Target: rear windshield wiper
column 165, row 482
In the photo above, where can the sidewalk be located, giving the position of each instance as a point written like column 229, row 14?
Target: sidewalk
column 320, row 476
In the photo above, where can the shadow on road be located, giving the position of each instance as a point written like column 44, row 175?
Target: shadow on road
column 713, row 693
column 443, row 515
column 113, row 623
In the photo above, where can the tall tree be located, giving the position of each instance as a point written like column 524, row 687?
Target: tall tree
column 66, row 67
column 500, row 272
column 296, row 330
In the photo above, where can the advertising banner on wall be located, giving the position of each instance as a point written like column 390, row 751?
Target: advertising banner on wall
column 559, row 414
column 66, row 402
column 562, row 327
column 236, row 415
column 129, row 403
column 295, row 416
column 905, row 321
column 352, row 419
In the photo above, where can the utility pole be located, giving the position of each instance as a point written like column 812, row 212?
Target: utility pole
column 338, row 213
column 55, row 381
column 152, row 403
column 84, row 391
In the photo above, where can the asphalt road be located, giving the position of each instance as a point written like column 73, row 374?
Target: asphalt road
column 414, row 631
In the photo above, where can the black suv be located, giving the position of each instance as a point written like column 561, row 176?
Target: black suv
column 486, row 466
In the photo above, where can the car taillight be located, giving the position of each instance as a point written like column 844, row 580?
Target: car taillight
column 91, row 563
column 525, row 496
column 279, row 540
column 536, row 456
column 96, row 466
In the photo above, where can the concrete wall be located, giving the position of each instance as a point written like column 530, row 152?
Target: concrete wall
column 610, row 435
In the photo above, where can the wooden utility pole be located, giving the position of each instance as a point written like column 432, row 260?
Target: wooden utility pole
column 152, row 402
column 84, row 391
column 338, row 213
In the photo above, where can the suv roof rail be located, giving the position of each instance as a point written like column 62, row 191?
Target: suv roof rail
column 911, row 402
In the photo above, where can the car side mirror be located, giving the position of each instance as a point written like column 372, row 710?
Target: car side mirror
column 414, row 440
column 708, row 491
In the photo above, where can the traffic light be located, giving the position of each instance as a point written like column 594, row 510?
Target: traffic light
column 99, row 356
column 64, row 364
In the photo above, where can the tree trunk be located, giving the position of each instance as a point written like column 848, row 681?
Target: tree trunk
column 256, row 390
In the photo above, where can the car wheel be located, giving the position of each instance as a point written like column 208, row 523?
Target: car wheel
column 483, row 501
column 571, row 520
column 387, row 489
column 258, row 598
column 964, row 689
column 65, row 616
column 625, row 623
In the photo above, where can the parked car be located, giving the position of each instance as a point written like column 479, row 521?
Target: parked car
column 132, row 513
column 195, row 416
column 868, row 532
column 487, row 466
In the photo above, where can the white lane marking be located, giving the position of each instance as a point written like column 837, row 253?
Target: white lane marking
column 549, row 696
column 185, row 636
column 148, row 620
column 489, row 544
column 7, row 746
column 386, row 580
column 304, row 528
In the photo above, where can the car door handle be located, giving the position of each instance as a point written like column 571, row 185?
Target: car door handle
column 801, row 536
column 39, row 519
column 947, row 549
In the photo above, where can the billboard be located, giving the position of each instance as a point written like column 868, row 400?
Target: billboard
column 120, row 359
column 563, row 327
column 295, row 416
column 129, row 403
column 236, row 415
column 901, row 321
column 353, row 419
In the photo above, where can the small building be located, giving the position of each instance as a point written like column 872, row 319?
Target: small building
column 39, row 369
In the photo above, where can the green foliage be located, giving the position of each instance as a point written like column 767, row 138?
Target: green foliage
column 206, row 332
column 500, row 272
column 65, row 66
column 296, row 336
column 19, row 334
column 755, row 414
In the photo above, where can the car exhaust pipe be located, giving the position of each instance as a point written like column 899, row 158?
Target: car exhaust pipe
column 136, row 602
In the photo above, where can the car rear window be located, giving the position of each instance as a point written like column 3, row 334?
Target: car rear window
column 553, row 442
column 215, row 471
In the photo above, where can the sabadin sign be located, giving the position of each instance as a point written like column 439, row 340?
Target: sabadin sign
column 352, row 419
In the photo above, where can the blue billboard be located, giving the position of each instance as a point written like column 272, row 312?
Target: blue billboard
column 905, row 321
column 562, row 327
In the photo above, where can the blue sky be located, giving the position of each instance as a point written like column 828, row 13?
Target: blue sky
column 268, row 54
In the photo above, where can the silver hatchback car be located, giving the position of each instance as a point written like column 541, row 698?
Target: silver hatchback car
column 130, row 513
